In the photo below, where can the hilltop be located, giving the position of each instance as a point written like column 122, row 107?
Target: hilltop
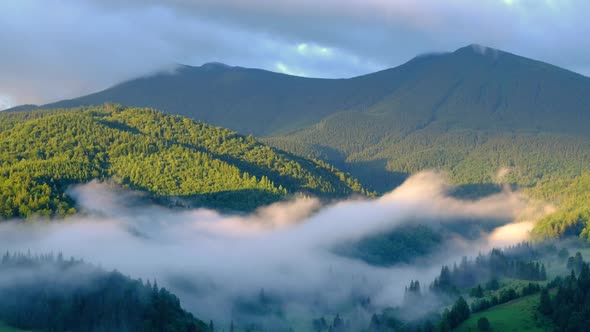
column 173, row 159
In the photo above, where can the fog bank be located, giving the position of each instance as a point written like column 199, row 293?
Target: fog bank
column 214, row 260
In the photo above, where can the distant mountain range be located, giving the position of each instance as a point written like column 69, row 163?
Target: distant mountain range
column 473, row 87
column 471, row 112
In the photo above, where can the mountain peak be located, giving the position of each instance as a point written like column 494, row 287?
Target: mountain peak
column 478, row 49
column 215, row 66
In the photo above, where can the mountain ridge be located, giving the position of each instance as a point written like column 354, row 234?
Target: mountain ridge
column 470, row 112
column 176, row 161
column 241, row 98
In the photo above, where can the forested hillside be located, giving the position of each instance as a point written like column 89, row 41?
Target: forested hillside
column 476, row 113
column 484, row 117
column 49, row 293
column 172, row 158
column 551, row 167
column 472, row 88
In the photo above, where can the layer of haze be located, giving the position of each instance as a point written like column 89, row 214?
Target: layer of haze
column 211, row 260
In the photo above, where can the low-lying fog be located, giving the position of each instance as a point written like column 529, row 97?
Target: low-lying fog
column 210, row 259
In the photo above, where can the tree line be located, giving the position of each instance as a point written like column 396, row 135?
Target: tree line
column 569, row 307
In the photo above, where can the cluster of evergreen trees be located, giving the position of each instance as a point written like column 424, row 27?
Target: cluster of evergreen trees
column 575, row 263
column 487, row 267
column 42, row 152
column 481, row 274
column 49, row 293
column 388, row 321
column 505, row 295
column 412, row 293
column 451, row 317
column 336, row 325
column 569, row 308
column 458, row 313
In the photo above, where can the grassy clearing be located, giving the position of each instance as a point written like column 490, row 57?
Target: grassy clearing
column 4, row 328
column 517, row 315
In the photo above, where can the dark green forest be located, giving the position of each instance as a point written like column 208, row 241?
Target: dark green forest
column 50, row 293
column 498, row 277
column 569, row 308
column 551, row 167
column 174, row 159
column 402, row 245
column 497, row 264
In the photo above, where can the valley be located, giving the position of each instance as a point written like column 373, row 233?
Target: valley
column 294, row 166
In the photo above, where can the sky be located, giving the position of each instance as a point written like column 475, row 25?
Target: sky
column 56, row 49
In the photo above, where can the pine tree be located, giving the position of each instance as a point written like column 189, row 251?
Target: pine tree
column 543, row 272
column 460, row 311
column 545, row 303
column 483, row 324
column 477, row 292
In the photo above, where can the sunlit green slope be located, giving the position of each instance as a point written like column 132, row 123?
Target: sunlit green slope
column 173, row 159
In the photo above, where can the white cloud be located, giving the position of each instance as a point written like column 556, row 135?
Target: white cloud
column 282, row 68
column 313, row 50
column 210, row 258
column 5, row 102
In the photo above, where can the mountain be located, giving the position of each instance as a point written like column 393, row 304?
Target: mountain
column 22, row 108
column 483, row 116
column 476, row 113
column 250, row 101
column 461, row 99
column 173, row 159
column 474, row 86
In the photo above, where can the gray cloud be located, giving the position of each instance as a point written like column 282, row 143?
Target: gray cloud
column 56, row 49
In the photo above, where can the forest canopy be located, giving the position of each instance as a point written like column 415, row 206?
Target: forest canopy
column 174, row 159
